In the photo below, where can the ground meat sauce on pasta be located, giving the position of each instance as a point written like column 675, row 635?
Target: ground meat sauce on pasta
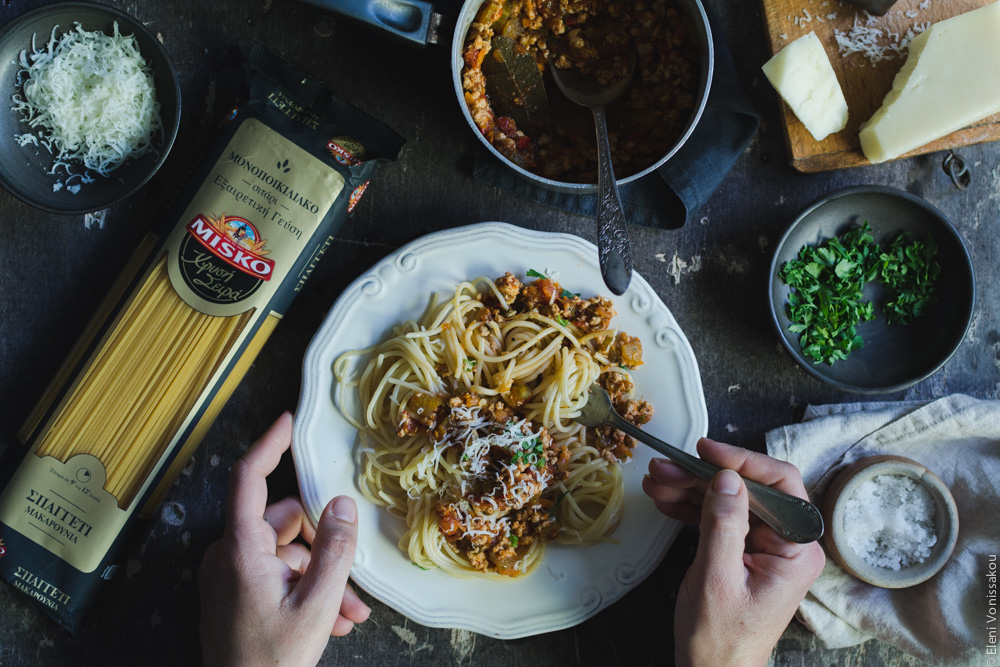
column 548, row 298
column 593, row 36
column 513, row 479
column 490, row 493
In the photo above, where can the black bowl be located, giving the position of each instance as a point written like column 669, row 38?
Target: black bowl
column 24, row 169
column 893, row 357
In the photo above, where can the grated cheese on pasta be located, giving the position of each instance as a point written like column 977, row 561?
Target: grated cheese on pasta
column 91, row 97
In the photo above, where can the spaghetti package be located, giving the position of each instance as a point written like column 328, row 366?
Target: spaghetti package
column 179, row 329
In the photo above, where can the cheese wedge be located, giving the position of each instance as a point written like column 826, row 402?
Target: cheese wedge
column 802, row 75
column 951, row 79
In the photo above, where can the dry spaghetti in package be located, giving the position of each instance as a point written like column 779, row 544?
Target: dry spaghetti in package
column 179, row 330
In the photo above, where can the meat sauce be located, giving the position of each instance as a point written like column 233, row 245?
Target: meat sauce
column 503, row 508
column 594, row 36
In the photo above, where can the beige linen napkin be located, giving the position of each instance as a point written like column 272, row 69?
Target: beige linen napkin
column 949, row 619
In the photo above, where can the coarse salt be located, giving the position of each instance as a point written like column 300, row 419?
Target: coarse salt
column 889, row 522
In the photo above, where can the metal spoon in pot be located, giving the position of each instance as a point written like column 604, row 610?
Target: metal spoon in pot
column 796, row 519
column 613, row 249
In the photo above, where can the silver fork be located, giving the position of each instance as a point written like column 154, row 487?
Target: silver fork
column 796, row 519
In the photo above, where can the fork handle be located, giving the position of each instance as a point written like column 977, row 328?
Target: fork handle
column 796, row 519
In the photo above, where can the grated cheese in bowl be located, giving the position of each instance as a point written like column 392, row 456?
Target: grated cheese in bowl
column 92, row 98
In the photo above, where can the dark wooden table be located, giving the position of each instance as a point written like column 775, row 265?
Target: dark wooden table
column 54, row 270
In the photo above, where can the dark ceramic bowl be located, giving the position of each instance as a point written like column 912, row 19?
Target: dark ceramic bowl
column 893, row 357
column 24, row 170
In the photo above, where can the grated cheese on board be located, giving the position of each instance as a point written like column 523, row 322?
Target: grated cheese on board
column 92, row 98
column 876, row 44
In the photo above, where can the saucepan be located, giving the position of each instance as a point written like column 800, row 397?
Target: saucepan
column 415, row 22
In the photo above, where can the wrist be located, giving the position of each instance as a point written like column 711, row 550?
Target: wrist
column 743, row 654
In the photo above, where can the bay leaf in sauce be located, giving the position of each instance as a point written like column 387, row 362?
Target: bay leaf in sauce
column 514, row 85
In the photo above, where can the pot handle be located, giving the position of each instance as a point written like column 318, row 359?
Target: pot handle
column 410, row 21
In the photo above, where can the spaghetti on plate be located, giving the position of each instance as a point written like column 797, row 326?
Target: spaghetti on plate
column 466, row 424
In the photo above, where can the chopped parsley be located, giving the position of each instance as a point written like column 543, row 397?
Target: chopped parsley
column 535, row 274
column 532, row 453
column 513, row 540
column 562, row 321
column 566, row 294
column 555, row 506
column 908, row 271
column 470, row 364
column 826, row 303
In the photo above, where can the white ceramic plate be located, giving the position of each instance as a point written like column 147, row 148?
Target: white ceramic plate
column 573, row 583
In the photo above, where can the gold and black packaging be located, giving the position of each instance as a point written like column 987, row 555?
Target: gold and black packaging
column 179, row 330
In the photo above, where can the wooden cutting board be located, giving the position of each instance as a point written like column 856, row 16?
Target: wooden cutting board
column 864, row 83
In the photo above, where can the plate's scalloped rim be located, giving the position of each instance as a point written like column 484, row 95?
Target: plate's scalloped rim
column 317, row 378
